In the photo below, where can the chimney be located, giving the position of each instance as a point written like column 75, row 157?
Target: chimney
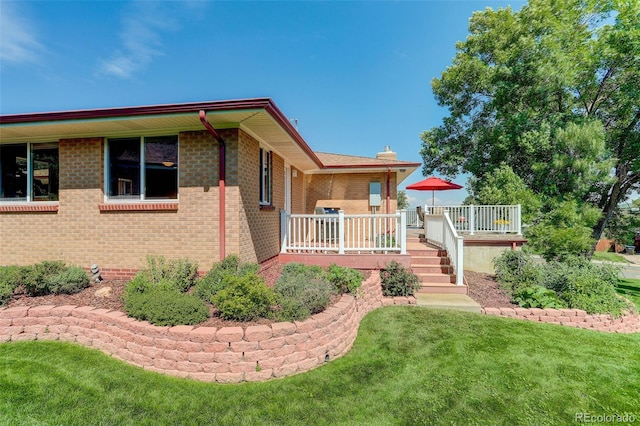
column 387, row 154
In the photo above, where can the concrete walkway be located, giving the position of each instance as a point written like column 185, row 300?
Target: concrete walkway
column 457, row 302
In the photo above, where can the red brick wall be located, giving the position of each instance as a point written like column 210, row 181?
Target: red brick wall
column 80, row 233
column 259, row 226
column 348, row 191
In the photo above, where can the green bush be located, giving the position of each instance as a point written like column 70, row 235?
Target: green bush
column 166, row 307
column 398, row 280
column 182, row 273
column 157, row 294
column 589, row 286
column 244, row 298
column 143, row 283
column 303, row 271
column 516, row 269
column 575, row 282
column 214, row 280
column 564, row 231
column 303, row 290
column 41, row 279
column 35, row 277
column 344, row 280
column 9, row 280
column 72, row 280
column 537, row 297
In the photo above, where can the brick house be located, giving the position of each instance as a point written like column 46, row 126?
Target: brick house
column 197, row 180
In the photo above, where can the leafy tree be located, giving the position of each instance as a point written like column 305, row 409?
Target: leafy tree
column 624, row 224
column 564, row 231
column 503, row 186
column 402, row 201
column 552, row 91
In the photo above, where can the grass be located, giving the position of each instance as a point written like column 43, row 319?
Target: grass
column 607, row 256
column 408, row 366
column 630, row 288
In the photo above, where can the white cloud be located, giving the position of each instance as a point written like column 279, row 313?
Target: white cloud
column 18, row 41
column 141, row 36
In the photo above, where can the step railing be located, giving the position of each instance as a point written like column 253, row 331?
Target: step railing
column 440, row 231
column 341, row 233
column 474, row 219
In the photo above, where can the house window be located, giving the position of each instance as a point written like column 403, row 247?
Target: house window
column 29, row 172
column 265, row 176
column 143, row 168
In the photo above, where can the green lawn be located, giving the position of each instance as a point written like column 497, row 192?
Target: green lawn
column 408, row 366
column 609, row 257
column 630, row 288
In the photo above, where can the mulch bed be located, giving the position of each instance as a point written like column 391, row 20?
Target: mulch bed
column 113, row 301
column 483, row 288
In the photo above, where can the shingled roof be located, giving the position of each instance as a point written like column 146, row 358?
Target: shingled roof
column 333, row 163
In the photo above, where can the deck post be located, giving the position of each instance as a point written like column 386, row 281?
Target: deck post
column 403, row 232
column 340, row 231
column 459, row 261
column 519, row 219
column 283, row 231
column 472, row 218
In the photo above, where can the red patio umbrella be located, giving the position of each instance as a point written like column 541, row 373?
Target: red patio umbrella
column 433, row 184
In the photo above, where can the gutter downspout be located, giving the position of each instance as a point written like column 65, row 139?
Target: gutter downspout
column 221, row 177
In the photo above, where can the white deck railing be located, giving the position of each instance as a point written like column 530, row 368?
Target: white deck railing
column 482, row 219
column 341, row 233
column 440, row 231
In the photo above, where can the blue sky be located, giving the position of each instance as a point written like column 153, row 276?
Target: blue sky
column 354, row 74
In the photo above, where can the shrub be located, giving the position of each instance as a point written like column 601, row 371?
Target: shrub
column 516, row 269
column 35, row 277
column 142, row 283
column 72, row 280
column 587, row 286
column 344, row 280
column 302, row 291
column 398, row 280
column 9, row 280
column 182, row 273
column 564, row 231
column 537, row 297
column 214, row 280
column 386, row 241
column 303, row 271
column 591, row 294
column 575, row 282
column 166, row 307
column 244, row 298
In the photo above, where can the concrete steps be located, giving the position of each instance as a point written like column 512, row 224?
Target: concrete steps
column 458, row 302
column 433, row 267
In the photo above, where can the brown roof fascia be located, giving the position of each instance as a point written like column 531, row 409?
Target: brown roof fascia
column 371, row 166
column 238, row 104
column 286, row 124
column 135, row 111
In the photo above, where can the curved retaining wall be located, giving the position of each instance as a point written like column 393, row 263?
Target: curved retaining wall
column 225, row 355
column 629, row 323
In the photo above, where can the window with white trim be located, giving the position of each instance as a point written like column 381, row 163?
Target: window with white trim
column 265, row 176
column 29, row 172
column 142, row 168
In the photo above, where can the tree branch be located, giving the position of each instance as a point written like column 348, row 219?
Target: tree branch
column 606, row 77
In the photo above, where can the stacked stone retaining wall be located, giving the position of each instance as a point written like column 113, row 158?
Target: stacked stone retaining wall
column 629, row 323
column 224, row 355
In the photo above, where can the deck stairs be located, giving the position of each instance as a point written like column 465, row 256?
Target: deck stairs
column 432, row 265
column 438, row 289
